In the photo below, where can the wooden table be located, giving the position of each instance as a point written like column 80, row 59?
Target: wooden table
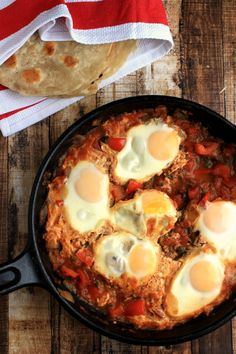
column 202, row 67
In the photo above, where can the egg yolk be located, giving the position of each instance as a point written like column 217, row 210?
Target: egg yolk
column 88, row 185
column 217, row 217
column 142, row 260
column 163, row 145
column 204, row 276
column 155, row 202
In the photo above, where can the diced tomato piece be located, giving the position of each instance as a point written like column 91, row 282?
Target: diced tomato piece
column 207, row 149
column 202, row 174
column 189, row 146
column 193, row 193
column 133, row 186
column 117, row 191
column 116, row 311
column 169, row 241
column 68, row 272
column 178, row 200
column 84, row 279
column 60, row 203
column 85, row 256
column 193, row 132
column 93, row 292
column 222, row 170
column 116, row 144
column 135, row 308
column 204, row 199
column 230, row 182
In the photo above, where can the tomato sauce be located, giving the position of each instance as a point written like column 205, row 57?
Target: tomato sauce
column 208, row 174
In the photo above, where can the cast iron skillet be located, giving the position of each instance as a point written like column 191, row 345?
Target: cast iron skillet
column 32, row 267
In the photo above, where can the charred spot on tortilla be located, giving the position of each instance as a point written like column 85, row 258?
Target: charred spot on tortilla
column 11, row 62
column 31, row 76
column 50, row 48
column 69, row 60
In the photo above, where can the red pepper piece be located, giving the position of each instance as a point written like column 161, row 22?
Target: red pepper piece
column 68, row 272
column 116, row 311
column 193, row 193
column 230, row 182
column 204, row 199
column 207, row 149
column 133, row 186
column 178, row 200
column 202, row 174
column 85, row 256
column 93, row 292
column 60, row 202
column 222, row 170
column 84, row 279
column 135, row 308
column 116, row 144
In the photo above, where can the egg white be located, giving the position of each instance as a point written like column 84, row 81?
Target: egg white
column 183, row 299
column 223, row 242
column 130, row 215
column 134, row 161
column 82, row 215
column 112, row 254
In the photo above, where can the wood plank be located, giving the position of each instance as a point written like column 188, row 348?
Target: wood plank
column 60, row 121
column 204, row 78
column 229, row 55
column 114, row 347
column 29, row 316
column 184, row 348
column 203, row 81
column 68, row 335
column 163, row 77
column 3, row 242
column 76, row 338
column 202, row 53
column 234, row 335
column 217, row 342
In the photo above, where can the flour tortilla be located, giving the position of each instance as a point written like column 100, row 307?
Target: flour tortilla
column 62, row 69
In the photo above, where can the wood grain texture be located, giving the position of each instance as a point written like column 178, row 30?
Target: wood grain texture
column 229, row 55
column 201, row 67
column 202, row 52
column 202, row 57
column 3, row 241
column 68, row 335
column 28, row 308
column 229, row 90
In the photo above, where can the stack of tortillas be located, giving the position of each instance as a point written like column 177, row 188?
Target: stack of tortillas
column 62, row 68
column 52, row 53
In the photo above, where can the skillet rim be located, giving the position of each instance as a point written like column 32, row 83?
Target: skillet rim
column 66, row 135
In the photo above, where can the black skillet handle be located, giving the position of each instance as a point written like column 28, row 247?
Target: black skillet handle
column 20, row 272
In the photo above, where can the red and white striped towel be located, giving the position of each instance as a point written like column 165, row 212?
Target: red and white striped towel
column 85, row 21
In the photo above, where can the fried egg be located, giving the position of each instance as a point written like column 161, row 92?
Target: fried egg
column 149, row 213
column 196, row 284
column 123, row 253
column 148, row 150
column 217, row 225
column 86, row 201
